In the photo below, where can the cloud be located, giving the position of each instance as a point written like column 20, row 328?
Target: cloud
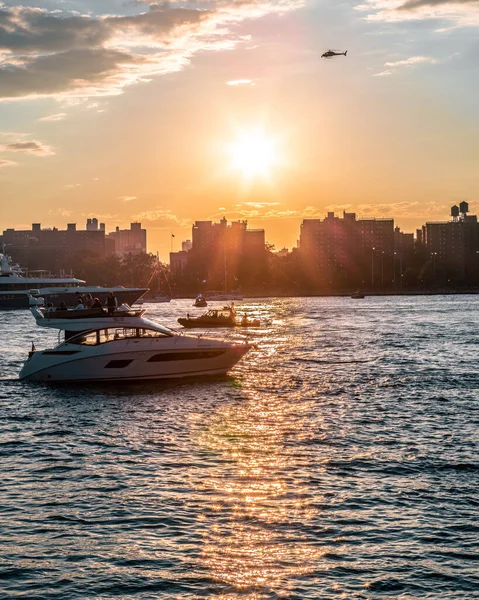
column 260, row 211
column 396, row 210
column 238, row 82
column 407, row 62
column 412, row 60
column 413, row 4
column 55, row 117
column 127, row 198
column 162, row 217
column 61, row 54
column 35, row 148
column 462, row 13
column 7, row 163
column 61, row 212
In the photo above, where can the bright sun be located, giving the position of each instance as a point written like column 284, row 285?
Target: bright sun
column 253, row 154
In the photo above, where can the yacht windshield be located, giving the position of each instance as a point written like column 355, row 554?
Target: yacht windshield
column 102, row 336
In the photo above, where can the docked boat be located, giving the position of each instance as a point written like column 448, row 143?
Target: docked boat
column 358, row 294
column 213, row 296
column 18, row 287
column 155, row 299
column 124, row 346
column 200, row 301
column 225, row 317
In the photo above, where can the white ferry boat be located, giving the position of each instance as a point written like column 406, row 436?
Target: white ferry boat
column 23, row 289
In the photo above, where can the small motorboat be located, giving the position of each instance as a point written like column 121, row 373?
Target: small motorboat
column 211, row 318
column 200, row 301
column 226, row 317
column 247, row 322
column 357, row 294
column 124, row 346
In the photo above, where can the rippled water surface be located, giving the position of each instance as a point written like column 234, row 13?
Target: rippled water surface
column 339, row 460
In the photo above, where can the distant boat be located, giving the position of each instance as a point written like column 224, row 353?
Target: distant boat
column 22, row 289
column 357, row 294
column 155, row 299
column 200, row 301
column 213, row 296
column 226, row 317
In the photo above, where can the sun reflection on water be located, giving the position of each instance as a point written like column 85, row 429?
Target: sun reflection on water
column 260, row 500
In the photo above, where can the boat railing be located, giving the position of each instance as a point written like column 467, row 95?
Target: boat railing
column 209, row 334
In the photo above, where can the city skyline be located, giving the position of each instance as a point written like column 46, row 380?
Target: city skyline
column 153, row 112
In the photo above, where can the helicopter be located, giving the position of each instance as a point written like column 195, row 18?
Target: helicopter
column 331, row 53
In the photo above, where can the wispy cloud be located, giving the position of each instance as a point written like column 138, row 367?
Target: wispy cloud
column 59, row 53
column 461, row 13
column 34, row 148
column 7, row 163
column 55, row 117
column 272, row 211
column 61, row 212
column 127, row 198
column 414, row 4
column 412, row 60
column 407, row 62
column 162, row 217
column 239, row 82
column 399, row 210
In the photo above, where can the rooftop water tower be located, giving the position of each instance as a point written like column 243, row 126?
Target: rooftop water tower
column 454, row 211
column 464, row 207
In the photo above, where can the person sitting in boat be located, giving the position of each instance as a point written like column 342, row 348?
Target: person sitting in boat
column 97, row 304
column 80, row 305
column 62, row 306
column 244, row 320
column 50, row 308
column 88, row 301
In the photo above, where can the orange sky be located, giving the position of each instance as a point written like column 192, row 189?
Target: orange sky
column 127, row 113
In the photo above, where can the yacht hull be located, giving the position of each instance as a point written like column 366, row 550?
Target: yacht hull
column 8, row 303
column 126, row 296
column 71, row 365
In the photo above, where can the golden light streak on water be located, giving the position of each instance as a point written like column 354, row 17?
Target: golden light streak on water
column 253, row 547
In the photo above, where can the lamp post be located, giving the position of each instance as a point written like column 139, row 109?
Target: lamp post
column 394, row 271
column 434, row 254
column 400, row 271
column 382, row 269
column 372, row 267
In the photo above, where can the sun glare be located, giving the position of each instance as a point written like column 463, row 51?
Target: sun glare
column 253, row 154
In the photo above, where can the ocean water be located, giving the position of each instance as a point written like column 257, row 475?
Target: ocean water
column 339, row 460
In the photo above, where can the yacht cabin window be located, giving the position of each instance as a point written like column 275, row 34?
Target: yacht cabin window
column 103, row 336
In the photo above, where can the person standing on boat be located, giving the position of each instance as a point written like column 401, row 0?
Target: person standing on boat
column 111, row 303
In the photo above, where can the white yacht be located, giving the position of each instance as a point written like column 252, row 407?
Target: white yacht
column 124, row 346
column 22, row 289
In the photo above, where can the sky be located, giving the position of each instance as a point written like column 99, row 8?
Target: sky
column 172, row 112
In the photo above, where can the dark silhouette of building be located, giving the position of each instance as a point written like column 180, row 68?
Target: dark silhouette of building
column 222, row 256
column 453, row 246
column 52, row 248
column 129, row 241
column 339, row 253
